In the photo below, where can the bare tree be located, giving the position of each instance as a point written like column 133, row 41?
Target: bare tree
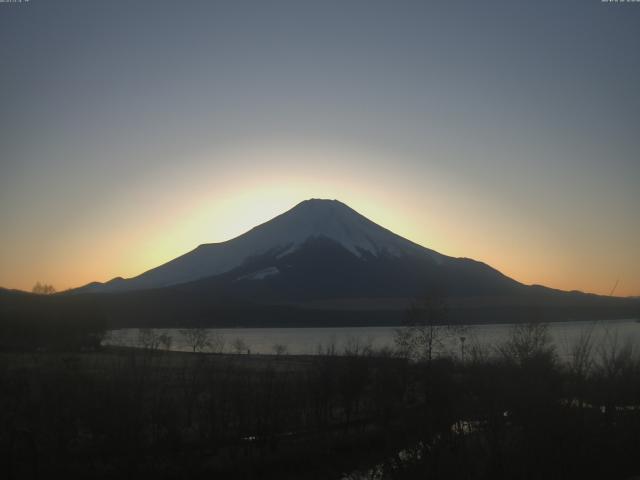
column 279, row 349
column 581, row 361
column 528, row 342
column 354, row 347
column 197, row 338
column 615, row 356
column 580, row 367
column 426, row 329
column 165, row 340
column 478, row 352
column 148, row 339
column 239, row 345
column 43, row 289
column 216, row 342
column 617, row 372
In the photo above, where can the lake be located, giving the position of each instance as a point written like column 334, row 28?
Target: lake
column 313, row 340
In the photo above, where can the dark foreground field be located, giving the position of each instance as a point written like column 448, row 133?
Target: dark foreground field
column 513, row 412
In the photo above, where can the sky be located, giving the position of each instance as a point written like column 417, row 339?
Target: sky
column 504, row 131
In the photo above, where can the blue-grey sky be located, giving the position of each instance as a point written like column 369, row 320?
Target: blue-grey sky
column 507, row 131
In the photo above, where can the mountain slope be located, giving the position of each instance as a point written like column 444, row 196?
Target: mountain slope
column 322, row 268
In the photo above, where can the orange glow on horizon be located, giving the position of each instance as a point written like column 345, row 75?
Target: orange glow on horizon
column 208, row 206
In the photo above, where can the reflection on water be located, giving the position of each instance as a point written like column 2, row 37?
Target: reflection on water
column 312, row 340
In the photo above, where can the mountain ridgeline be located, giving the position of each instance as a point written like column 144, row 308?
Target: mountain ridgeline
column 318, row 249
column 322, row 263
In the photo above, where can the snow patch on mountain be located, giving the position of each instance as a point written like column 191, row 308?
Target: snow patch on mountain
column 260, row 274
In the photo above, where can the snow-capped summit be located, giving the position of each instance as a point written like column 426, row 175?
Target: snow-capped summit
column 284, row 234
column 333, row 220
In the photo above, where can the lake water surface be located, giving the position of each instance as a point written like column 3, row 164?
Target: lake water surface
column 313, row 340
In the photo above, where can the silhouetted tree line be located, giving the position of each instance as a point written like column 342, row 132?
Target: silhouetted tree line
column 44, row 322
column 43, row 289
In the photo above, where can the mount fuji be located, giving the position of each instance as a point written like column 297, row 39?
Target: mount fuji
column 323, row 263
column 326, row 229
